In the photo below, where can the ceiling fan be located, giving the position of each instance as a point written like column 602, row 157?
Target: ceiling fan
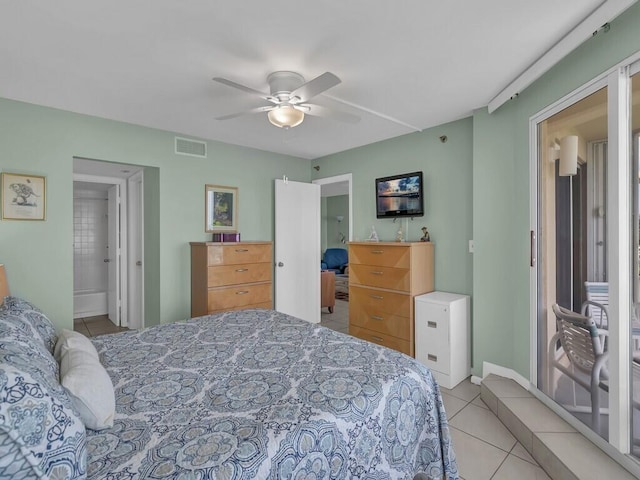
column 289, row 96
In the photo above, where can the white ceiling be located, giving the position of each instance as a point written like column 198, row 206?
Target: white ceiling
column 405, row 65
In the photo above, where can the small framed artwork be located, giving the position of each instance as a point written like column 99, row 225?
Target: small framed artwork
column 221, row 209
column 23, row 197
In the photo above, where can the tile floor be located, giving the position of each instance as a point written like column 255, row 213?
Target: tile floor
column 485, row 449
column 93, row 326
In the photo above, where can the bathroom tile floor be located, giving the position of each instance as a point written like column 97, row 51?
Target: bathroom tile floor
column 93, row 326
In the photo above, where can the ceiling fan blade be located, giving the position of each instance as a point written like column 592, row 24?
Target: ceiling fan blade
column 250, row 90
column 247, row 112
column 315, row 87
column 318, row 111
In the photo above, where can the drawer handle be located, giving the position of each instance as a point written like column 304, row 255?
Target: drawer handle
column 377, row 273
column 377, row 252
column 242, row 270
column 376, row 297
column 433, row 358
column 432, row 324
column 242, row 292
column 378, row 339
column 242, row 249
column 376, row 317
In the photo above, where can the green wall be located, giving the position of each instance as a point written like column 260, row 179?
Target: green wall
column 447, row 169
column 39, row 255
column 501, row 203
column 338, row 205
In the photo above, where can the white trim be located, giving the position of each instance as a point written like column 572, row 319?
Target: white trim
column 619, row 248
column 489, row 368
column 81, row 177
column 347, row 177
column 601, row 15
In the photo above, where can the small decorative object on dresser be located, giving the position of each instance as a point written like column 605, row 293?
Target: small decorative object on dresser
column 374, row 235
column 383, row 280
column 425, row 235
column 230, row 276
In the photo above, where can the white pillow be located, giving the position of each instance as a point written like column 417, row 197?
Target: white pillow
column 90, row 388
column 69, row 339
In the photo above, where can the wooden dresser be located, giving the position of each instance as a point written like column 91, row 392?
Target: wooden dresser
column 230, row 276
column 384, row 277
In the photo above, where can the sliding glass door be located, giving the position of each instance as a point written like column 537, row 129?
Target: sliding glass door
column 586, row 256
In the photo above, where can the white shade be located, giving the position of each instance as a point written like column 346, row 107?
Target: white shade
column 285, row 116
column 568, row 156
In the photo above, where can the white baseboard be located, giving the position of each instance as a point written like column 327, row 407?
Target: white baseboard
column 492, row 368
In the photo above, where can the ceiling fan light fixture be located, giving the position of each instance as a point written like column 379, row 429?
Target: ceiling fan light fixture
column 285, row 116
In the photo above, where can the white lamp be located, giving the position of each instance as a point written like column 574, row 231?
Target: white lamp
column 339, row 218
column 568, row 156
column 285, row 116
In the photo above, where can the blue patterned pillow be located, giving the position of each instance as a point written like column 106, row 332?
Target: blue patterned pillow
column 34, row 317
column 39, row 426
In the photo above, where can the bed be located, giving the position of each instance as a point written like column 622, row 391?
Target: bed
column 245, row 394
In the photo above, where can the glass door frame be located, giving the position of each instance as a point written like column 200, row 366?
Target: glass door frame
column 618, row 81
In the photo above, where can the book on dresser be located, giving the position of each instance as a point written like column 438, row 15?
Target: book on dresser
column 384, row 278
column 230, row 276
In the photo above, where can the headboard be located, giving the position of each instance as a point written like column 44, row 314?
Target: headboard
column 4, row 285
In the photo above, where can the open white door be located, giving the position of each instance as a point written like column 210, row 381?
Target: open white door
column 297, row 249
column 113, row 253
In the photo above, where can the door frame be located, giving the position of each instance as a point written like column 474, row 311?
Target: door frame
column 135, row 214
column 348, row 177
column 123, row 233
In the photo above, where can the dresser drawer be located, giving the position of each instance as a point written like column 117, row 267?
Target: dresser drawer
column 236, row 274
column 267, row 305
column 380, row 301
column 381, row 277
column 380, row 255
column 371, row 318
column 403, row 346
column 225, row 298
column 238, row 253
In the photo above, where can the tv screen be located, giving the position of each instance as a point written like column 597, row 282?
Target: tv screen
column 399, row 196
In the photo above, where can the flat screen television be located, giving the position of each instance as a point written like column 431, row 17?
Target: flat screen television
column 400, row 196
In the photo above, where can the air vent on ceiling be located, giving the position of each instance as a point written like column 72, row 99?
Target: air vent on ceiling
column 193, row 148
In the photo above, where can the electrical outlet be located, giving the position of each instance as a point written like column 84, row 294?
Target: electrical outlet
column 472, row 247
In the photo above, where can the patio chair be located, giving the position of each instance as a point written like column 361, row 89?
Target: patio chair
column 597, row 303
column 581, row 343
column 597, row 307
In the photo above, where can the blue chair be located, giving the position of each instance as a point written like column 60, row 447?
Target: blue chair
column 335, row 260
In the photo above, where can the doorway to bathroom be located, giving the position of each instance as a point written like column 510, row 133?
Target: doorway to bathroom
column 108, row 242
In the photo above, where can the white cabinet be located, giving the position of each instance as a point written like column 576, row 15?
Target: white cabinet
column 442, row 336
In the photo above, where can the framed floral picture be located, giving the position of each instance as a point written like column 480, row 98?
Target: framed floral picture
column 221, row 208
column 23, row 197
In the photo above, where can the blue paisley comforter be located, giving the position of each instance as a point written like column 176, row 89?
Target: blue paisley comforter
column 260, row 394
